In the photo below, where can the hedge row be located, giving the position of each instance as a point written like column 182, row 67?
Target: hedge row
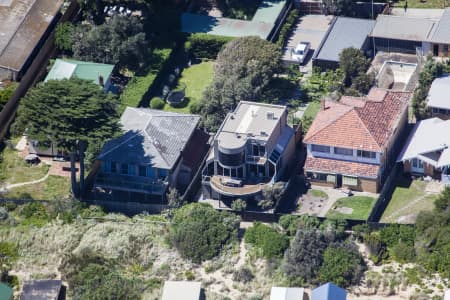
column 139, row 86
column 202, row 45
column 287, row 27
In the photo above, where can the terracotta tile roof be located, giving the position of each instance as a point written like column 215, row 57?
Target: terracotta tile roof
column 349, row 124
column 341, row 167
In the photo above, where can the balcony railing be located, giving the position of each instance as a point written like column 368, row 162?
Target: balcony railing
column 132, row 183
column 252, row 159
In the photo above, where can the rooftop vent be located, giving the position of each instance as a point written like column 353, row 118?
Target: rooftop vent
column 263, row 133
column 270, row 115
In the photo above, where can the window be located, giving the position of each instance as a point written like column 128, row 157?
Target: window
column 107, row 166
column 349, row 181
column 343, row 151
column 262, row 150
column 162, row 173
column 258, row 150
column 417, row 163
column 131, row 169
column 124, row 169
column 320, row 148
column 226, row 172
column 233, row 172
column 367, row 154
column 435, row 110
column 142, row 171
column 150, row 172
column 113, row 167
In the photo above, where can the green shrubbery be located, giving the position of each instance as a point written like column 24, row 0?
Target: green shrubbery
column 139, row 85
column 202, row 45
column 199, row 232
column 266, row 239
column 157, row 103
column 287, row 27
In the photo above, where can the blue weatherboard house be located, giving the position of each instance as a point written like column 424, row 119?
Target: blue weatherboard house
column 329, row 291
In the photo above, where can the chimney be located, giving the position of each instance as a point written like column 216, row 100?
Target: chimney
column 101, row 81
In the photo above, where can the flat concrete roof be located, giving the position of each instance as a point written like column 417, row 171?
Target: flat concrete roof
column 345, row 33
column 261, row 24
column 193, row 23
column 424, row 13
column 23, row 23
column 249, row 119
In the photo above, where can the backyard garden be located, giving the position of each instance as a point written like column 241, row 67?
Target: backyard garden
column 409, row 198
column 352, row 208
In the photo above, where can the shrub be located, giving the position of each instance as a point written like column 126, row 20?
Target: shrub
column 342, row 264
column 239, row 205
column 157, row 103
column 402, row 252
column 202, row 45
column 270, row 242
column 287, row 27
column 34, row 213
column 97, row 281
column 393, row 234
column 8, row 250
column 199, row 232
column 244, row 275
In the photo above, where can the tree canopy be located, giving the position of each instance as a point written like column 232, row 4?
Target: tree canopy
column 354, row 65
column 66, row 111
column 120, row 40
column 199, row 232
column 244, row 67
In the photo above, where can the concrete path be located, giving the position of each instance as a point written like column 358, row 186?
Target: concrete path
column 15, row 185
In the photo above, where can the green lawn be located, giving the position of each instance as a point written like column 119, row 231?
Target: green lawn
column 361, row 207
column 196, row 78
column 55, row 187
column 423, row 3
column 318, row 194
column 13, row 169
column 408, row 199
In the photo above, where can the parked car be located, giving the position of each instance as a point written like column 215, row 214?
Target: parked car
column 300, row 52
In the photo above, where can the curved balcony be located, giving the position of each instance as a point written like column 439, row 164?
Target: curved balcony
column 221, row 185
column 231, row 160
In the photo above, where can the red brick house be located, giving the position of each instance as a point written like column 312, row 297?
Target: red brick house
column 352, row 142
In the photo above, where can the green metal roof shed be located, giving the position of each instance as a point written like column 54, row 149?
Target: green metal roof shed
column 6, row 292
column 68, row 68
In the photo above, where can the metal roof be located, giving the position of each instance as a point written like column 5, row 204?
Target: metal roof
column 41, row 290
column 284, row 293
column 23, row 23
column 151, row 137
column 344, row 33
column 6, row 292
column 402, row 28
column 68, row 68
column 429, row 142
column 438, row 93
column 441, row 33
column 186, row 290
column 329, row 291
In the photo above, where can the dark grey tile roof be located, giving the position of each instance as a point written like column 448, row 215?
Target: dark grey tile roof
column 344, row 33
column 152, row 137
column 442, row 32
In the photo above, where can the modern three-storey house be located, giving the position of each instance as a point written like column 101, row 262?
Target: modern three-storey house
column 353, row 142
column 252, row 149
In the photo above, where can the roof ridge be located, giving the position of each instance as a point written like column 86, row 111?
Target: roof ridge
column 120, row 144
column 367, row 129
column 334, row 121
